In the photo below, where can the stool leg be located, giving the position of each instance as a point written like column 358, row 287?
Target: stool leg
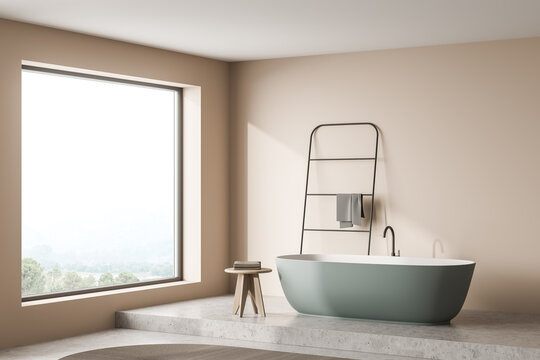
column 237, row 294
column 258, row 294
column 251, row 292
column 245, row 287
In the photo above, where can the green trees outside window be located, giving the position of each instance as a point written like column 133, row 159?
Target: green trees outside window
column 35, row 280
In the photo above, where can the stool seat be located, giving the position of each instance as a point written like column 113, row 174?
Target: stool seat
column 248, row 271
column 248, row 283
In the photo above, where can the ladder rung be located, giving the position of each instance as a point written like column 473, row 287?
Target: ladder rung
column 336, row 230
column 332, row 194
column 341, row 159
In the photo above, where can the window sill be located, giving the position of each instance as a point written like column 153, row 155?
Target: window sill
column 106, row 293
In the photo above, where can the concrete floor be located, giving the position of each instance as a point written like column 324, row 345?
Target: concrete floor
column 472, row 335
column 54, row 350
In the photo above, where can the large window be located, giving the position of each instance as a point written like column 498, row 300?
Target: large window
column 100, row 183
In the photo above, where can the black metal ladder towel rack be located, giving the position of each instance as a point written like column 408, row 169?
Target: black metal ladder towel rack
column 374, row 159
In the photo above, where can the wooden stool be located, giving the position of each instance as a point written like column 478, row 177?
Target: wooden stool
column 248, row 282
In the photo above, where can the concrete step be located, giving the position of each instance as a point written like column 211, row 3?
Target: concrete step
column 474, row 335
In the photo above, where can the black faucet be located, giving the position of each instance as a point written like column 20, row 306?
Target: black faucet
column 393, row 239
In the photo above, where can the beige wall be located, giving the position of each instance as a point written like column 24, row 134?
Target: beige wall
column 459, row 157
column 22, row 325
column 458, row 162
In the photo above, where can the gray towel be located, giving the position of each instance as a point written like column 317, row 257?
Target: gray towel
column 350, row 209
column 344, row 210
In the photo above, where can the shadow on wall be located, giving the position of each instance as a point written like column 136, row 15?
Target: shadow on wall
column 434, row 250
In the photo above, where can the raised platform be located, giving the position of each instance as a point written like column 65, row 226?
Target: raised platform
column 472, row 335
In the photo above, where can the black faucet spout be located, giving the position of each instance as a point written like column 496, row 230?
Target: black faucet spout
column 393, row 238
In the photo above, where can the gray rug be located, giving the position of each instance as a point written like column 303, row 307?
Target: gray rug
column 188, row 352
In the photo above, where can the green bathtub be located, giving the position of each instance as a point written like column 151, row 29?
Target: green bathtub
column 383, row 288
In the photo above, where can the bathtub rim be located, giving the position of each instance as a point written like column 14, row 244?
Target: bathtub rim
column 386, row 260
